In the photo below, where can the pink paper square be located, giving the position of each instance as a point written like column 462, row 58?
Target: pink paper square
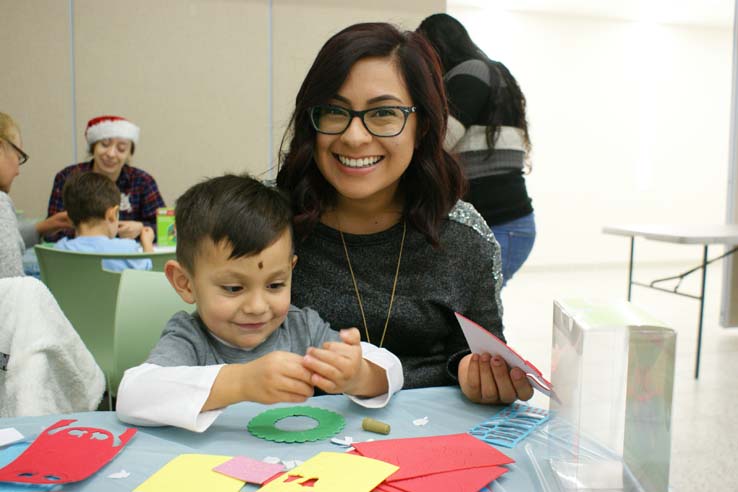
column 249, row 470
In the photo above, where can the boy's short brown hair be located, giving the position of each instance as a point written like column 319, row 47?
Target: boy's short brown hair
column 88, row 195
column 240, row 210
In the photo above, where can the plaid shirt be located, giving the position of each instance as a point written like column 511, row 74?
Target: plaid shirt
column 140, row 196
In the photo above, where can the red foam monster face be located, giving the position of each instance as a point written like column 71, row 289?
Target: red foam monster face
column 65, row 455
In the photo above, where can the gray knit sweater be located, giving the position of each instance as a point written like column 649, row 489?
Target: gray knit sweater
column 462, row 275
column 11, row 243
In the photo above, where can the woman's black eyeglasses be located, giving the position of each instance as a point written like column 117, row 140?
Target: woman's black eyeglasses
column 384, row 121
column 22, row 156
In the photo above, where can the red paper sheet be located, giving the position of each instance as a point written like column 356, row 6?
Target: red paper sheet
column 385, row 487
column 471, row 479
column 421, row 456
column 64, row 455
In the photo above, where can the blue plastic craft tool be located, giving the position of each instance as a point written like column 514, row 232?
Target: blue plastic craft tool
column 510, row 425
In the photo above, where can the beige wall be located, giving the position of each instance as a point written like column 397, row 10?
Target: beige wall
column 36, row 90
column 193, row 74
column 300, row 29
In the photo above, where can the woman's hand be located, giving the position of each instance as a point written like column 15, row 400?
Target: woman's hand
column 129, row 229
column 487, row 379
column 56, row 222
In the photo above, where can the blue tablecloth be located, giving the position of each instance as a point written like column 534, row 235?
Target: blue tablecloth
column 447, row 410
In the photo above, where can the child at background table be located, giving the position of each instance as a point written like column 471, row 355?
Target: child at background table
column 245, row 341
column 93, row 202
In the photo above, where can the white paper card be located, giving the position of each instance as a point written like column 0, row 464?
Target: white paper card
column 481, row 341
column 9, row 436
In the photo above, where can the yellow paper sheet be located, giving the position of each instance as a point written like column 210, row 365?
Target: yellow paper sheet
column 191, row 473
column 334, row 472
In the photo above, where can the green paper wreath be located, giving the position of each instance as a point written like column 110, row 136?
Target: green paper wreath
column 263, row 425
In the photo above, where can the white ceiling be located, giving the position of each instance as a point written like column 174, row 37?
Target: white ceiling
column 691, row 12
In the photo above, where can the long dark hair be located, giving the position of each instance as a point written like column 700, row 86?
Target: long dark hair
column 434, row 180
column 454, row 46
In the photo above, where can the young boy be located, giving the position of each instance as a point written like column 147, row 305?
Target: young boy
column 92, row 202
column 245, row 342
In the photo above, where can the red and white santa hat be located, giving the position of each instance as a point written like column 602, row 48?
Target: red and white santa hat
column 108, row 126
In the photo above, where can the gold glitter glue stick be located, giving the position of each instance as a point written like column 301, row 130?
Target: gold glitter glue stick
column 372, row 425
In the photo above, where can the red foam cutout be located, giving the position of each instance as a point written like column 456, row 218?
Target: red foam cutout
column 419, row 456
column 58, row 456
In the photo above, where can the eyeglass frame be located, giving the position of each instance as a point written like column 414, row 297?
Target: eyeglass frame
column 406, row 110
column 23, row 157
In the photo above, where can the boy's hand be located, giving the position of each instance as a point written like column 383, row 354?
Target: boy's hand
column 147, row 239
column 274, row 378
column 129, row 229
column 277, row 377
column 338, row 367
column 487, row 379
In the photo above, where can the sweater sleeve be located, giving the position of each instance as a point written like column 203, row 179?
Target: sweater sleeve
column 467, row 97
column 11, row 260
column 28, row 232
column 152, row 200
column 56, row 204
column 483, row 305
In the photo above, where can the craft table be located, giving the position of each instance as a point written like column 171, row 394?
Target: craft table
column 448, row 412
column 704, row 235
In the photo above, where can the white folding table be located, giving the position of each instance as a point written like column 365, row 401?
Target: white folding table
column 705, row 235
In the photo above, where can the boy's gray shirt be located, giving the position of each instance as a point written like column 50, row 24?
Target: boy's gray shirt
column 186, row 341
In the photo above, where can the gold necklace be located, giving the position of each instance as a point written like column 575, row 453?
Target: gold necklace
column 394, row 284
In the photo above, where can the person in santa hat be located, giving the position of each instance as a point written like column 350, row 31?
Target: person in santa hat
column 112, row 142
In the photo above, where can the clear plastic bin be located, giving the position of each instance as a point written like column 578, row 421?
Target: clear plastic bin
column 612, row 367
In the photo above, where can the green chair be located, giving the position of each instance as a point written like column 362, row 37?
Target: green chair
column 87, row 293
column 145, row 303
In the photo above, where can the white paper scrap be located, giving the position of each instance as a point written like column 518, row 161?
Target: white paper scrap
column 290, row 464
column 346, row 441
column 421, row 421
column 272, row 459
column 120, row 474
column 9, row 435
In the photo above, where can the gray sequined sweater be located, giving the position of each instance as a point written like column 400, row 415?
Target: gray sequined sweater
column 462, row 275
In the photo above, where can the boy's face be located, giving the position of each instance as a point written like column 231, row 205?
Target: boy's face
column 243, row 300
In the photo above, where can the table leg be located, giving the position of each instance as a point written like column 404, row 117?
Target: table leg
column 702, row 311
column 630, row 266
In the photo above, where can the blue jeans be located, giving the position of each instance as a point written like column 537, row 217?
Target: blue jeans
column 516, row 240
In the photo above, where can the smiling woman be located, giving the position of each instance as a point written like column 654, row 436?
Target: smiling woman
column 385, row 243
column 112, row 142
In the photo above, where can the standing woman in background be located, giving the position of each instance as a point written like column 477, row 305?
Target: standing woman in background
column 488, row 130
column 112, row 142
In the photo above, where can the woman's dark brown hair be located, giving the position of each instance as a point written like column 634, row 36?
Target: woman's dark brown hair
column 434, row 180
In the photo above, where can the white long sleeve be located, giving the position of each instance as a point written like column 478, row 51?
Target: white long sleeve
column 151, row 395
column 392, row 367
